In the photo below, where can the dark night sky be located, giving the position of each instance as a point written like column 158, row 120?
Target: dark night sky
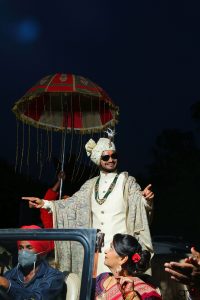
column 145, row 54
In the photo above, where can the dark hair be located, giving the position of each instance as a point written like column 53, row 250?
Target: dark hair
column 127, row 245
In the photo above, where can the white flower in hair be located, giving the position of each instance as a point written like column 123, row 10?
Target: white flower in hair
column 90, row 146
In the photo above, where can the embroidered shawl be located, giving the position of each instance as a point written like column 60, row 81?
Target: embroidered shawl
column 76, row 213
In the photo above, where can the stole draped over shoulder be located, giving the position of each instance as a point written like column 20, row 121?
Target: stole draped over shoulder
column 76, row 213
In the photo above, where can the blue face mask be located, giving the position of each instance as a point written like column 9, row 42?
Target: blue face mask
column 26, row 258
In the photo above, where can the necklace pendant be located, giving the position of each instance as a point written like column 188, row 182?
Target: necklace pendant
column 110, row 189
column 101, row 201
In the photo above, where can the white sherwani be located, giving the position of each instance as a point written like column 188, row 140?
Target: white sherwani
column 124, row 211
column 109, row 217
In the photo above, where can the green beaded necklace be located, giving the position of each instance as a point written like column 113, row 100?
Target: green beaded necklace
column 110, row 189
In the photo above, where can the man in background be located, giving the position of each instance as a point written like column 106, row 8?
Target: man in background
column 32, row 278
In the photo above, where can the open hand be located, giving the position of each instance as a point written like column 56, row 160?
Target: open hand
column 180, row 272
column 186, row 272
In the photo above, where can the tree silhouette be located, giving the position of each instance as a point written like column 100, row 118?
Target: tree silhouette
column 195, row 111
column 175, row 175
column 13, row 186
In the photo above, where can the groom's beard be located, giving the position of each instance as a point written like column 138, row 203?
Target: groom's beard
column 107, row 171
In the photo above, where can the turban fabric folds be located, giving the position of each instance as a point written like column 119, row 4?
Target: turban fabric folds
column 39, row 246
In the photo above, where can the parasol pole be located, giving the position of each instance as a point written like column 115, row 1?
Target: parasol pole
column 62, row 165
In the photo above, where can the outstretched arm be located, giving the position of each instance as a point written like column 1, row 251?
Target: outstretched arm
column 181, row 272
column 34, row 202
column 187, row 272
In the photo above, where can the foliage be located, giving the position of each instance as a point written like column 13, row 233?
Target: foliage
column 13, row 186
column 175, row 175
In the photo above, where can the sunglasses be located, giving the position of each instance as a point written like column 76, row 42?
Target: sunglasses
column 107, row 157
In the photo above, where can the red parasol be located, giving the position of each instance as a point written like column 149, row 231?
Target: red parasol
column 67, row 102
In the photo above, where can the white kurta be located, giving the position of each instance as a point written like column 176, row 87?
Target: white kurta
column 109, row 217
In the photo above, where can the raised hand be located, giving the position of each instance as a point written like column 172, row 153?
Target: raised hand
column 147, row 193
column 61, row 175
column 180, row 272
column 34, row 202
column 126, row 287
column 126, row 283
column 195, row 257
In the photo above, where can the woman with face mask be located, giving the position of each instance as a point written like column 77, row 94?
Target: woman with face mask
column 32, row 278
